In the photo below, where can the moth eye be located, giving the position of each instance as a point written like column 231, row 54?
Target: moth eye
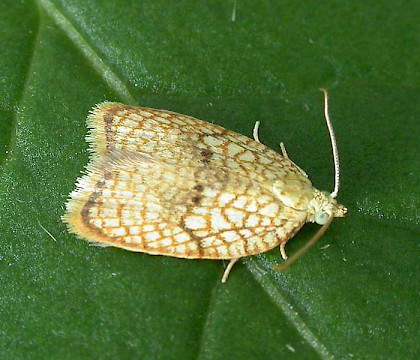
column 321, row 217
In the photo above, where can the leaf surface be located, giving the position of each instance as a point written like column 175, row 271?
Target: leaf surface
column 354, row 295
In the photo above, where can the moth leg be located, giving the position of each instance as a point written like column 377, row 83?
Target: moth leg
column 228, row 269
column 283, row 150
column 284, row 153
column 255, row 132
column 282, row 251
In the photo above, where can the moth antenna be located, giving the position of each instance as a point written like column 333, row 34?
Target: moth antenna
column 333, row 145
column 305, row 248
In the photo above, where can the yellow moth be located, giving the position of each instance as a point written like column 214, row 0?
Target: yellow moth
column 169, row 184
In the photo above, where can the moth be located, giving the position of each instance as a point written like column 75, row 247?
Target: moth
column 168, row 184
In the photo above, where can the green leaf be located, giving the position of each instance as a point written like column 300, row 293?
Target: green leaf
column 354, row 295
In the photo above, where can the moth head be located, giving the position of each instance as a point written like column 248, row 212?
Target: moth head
column 323, row 206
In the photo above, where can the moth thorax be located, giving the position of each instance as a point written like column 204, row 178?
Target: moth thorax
column 294, row 191
column 322, row 206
